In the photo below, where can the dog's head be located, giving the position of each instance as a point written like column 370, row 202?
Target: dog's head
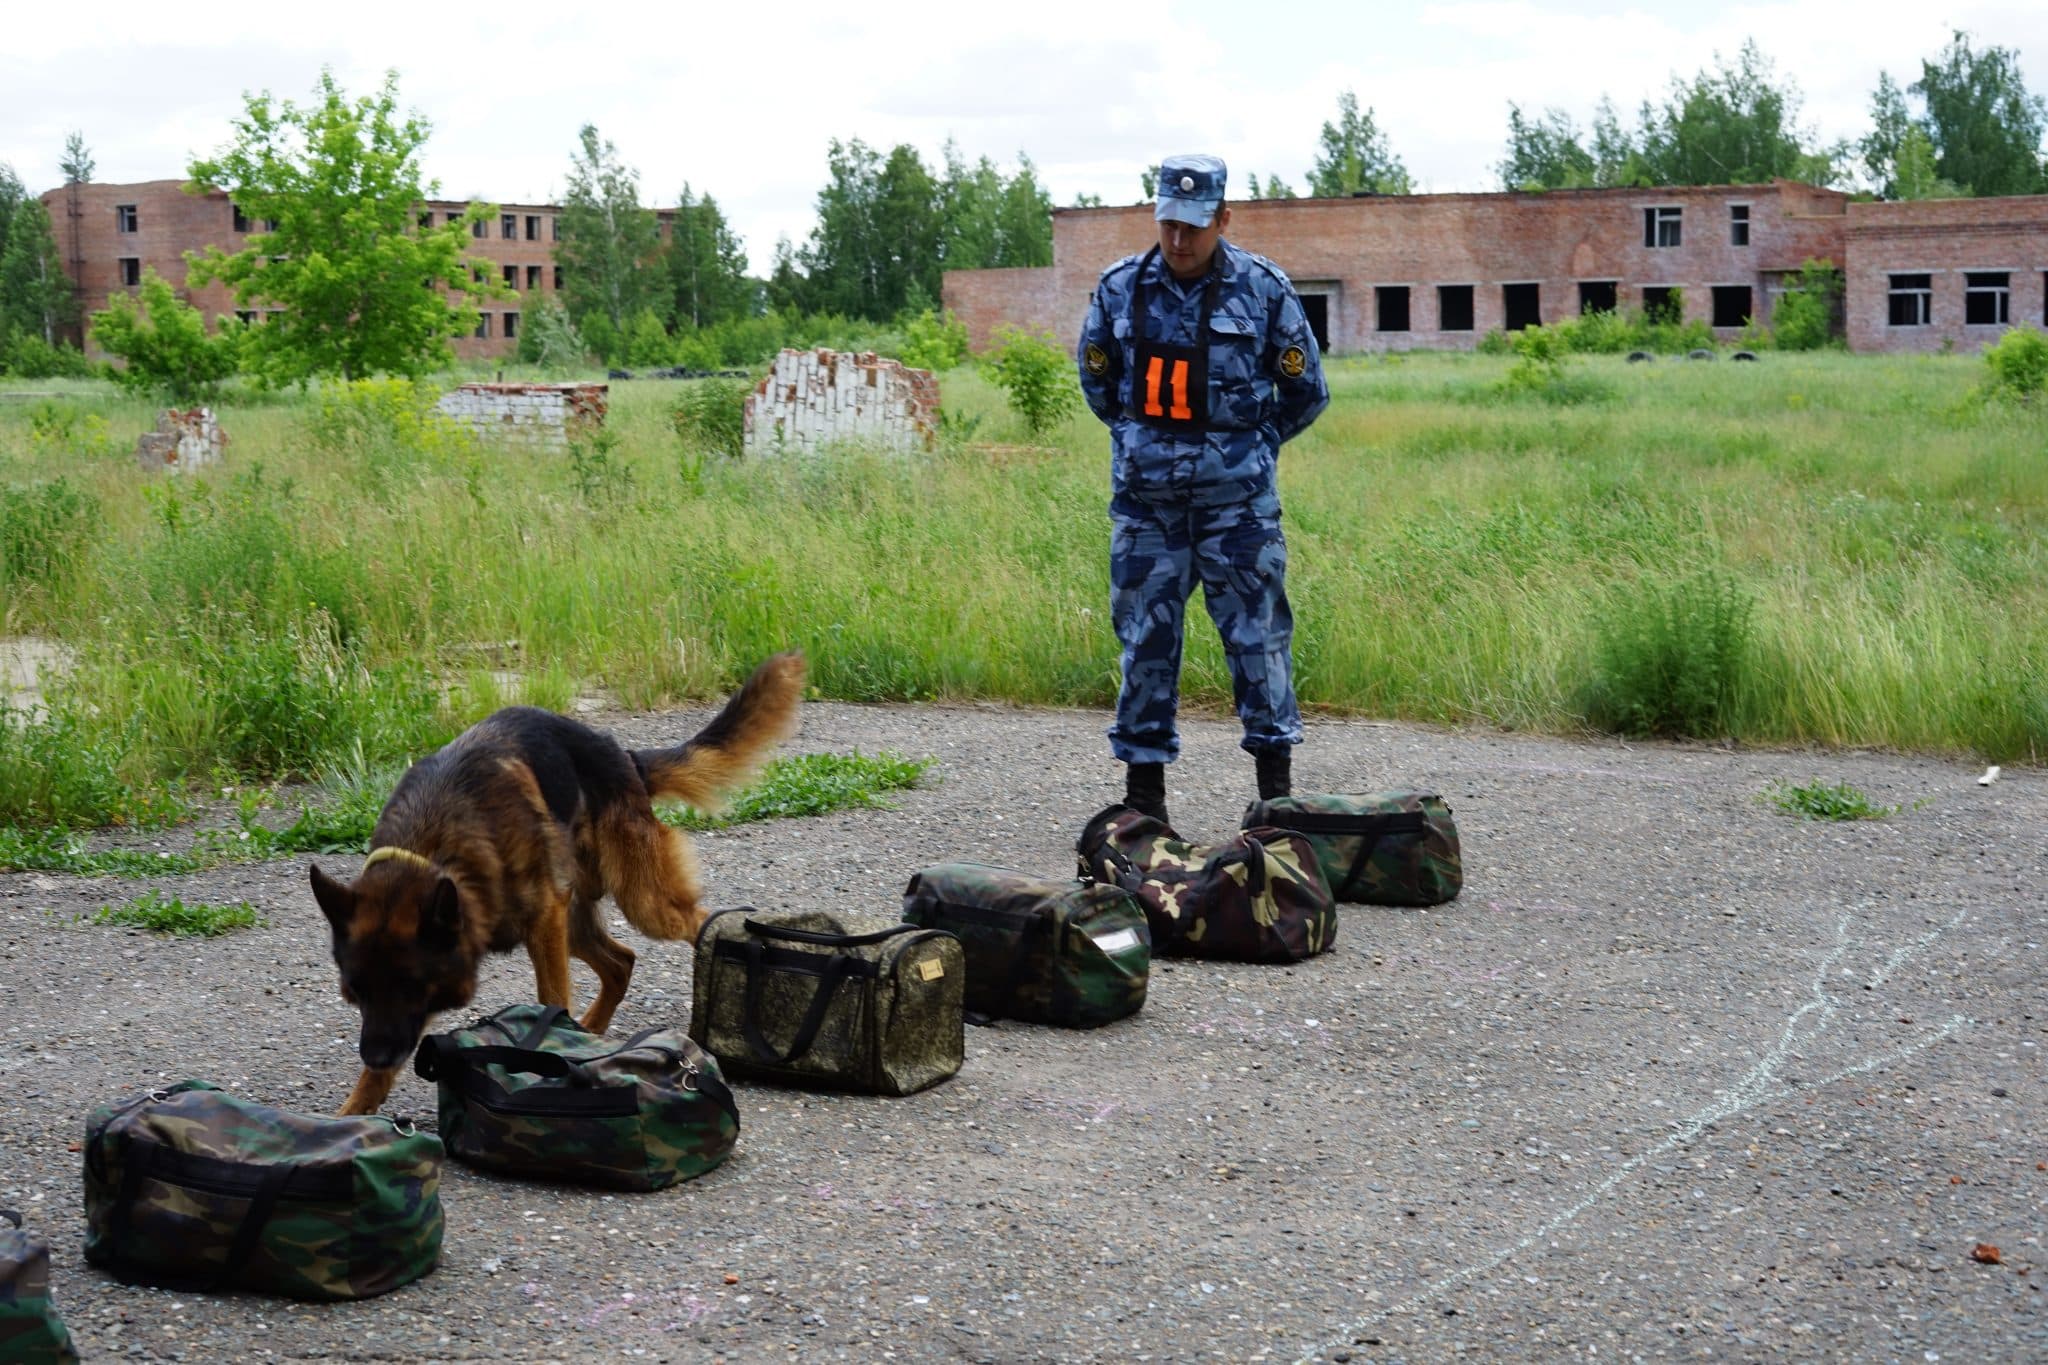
column 401, row 946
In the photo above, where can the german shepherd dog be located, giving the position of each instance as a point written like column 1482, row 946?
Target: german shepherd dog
column 511, row 835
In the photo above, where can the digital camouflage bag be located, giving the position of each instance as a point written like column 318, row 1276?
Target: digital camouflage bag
column 529, row 1092
column 1381, row 848
column 191, row 1188
column 30, row 1330
column 1258, row 898
column 1071, row 953
column 813, row 998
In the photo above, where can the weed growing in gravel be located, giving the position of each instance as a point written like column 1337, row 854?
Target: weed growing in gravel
column 59, row 850
column 161, row 914
column 1826, row 801
column 810, row 784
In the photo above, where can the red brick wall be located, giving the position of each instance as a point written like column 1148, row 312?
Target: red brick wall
column 169, row 222
column 1347, row 248
column 1943, row 239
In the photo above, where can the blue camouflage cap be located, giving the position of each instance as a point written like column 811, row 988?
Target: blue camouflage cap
column 1190, row 189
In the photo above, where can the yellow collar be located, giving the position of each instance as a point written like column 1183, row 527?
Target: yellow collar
column 378, row 855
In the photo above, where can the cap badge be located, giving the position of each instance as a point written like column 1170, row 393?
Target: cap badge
column 1187, row 182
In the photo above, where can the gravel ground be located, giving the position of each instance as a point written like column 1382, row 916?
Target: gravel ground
column 1677, row 1076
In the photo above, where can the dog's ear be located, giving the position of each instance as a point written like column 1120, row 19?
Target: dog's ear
column 442, row 922
column 336, row 900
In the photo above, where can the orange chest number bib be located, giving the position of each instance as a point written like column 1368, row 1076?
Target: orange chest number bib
column 1169, row 383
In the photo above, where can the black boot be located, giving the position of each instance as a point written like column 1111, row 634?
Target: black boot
column 1145, row 789
column 1275, row 771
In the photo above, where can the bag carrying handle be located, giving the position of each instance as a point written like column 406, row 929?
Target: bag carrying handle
column 440, row 1057
column 11, row 1216
column 1253, row 856
column 1378, row 825
column 807, row 1031
column 140, row 1162
column 823, row 939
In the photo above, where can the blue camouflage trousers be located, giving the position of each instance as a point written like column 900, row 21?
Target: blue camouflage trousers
column 1157, row 553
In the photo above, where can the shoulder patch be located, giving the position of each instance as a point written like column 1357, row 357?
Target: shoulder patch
column 1095, row 359
column 1293, row 361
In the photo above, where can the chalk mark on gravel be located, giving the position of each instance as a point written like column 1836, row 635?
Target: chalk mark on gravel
column 1762, row 1082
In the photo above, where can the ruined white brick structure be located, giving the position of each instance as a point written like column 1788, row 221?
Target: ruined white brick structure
column 527, row 414
column 184, row 439
column 811, row 398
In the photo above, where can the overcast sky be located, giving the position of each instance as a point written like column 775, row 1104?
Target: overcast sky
column 741, row 99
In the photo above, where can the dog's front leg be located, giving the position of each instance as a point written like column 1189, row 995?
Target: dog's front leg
column 373, row 1087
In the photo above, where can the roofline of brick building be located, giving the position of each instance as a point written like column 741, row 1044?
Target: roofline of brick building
column 1478, row 196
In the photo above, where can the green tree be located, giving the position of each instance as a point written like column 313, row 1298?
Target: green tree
column 1734, row 125
column 787, row 289
column 1986, row 126
column 1545, row 153
column 364, row 283
column 707, row 265
column 876, row 247
column 36, row 298
column 1354, row 156
column 1916, row 171
column 1617, row 160
column 12, row 196
column 165, row 343
column 1890, row 121
column 77, row 164
column 1148, row 181
column 1025, row 218
column 610, row 247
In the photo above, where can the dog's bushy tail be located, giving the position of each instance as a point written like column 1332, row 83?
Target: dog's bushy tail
column 726, row 752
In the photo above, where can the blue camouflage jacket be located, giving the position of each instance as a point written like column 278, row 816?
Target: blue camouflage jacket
column 1265, row 376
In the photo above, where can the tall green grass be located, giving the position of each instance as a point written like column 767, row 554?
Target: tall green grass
column 356, row 578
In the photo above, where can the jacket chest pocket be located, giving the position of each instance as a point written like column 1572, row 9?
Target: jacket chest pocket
column 1238, row 386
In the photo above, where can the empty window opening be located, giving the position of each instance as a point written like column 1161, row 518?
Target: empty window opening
column 511, row 326
column 243, row 223
column 483, row 327
column 124, row 217
column 1393, row 302
column 479, row 229
column 1911, row 300
column 1316, row 307
column 1987, row 298
column 533, row 277
column 1521, row 305
column 558, row 277
column 511, row 277
column 454, row 216
column 1454, row 307
column 1731, row 305
column 532, row 227
column 1738, row 225
column 426, row 220
column 131, row 270
column 246, row 316
column 1660, row 226
column 1662, row 303
column 1598, row 296
column 508, row 226
column 555, row 227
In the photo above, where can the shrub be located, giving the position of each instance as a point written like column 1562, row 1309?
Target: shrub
column 1496, row 342
column 60, row 768
column 2018, row 364
column 710, row 415
column 647, row 341
column 30, row 357
column 550, row 340
column 1600, row 333
column 165, row 343
column 1036, row 377
column 1804, row 318
column 932, row 343
column 1667, row 660
column 1541, row 370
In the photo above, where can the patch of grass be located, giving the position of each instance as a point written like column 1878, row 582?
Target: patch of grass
column 1668, row 660
column 810, row 784
column 59, row 850
column 1826, row 801
column 161, row 914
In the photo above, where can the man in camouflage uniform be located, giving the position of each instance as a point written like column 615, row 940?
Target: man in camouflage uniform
column 1199, row 357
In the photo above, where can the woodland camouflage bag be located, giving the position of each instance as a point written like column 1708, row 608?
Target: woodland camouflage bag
column 30, row 1329
column 1258, row 898
column 813, row 998
column 192, row 1188
column 1072, row 953
column 529, row 1092
column 1383, row 848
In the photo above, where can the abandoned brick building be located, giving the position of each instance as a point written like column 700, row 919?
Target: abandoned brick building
column 1438, row 271
column 109, row 234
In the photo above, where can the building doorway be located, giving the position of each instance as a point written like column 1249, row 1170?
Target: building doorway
column 1317, row 306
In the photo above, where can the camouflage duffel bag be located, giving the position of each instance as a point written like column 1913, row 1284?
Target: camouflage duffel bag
column 528, row 1091
column 1382, row 848
column 1260, row 897
column 30, row 1329
column 1072, row 953
column 812, row 998
column 192, row 1188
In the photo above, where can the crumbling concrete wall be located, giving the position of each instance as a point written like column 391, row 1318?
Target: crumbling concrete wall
column 184, row 439
column 527, row 414
column 811, row 398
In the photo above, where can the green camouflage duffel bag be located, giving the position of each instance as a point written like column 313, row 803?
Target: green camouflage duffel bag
column 1073, row 953
column 529, row 1092
column 1258, row 898
column 30, row 1330
column 821, row 999
column 1382, row 848
column 192, row 1188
